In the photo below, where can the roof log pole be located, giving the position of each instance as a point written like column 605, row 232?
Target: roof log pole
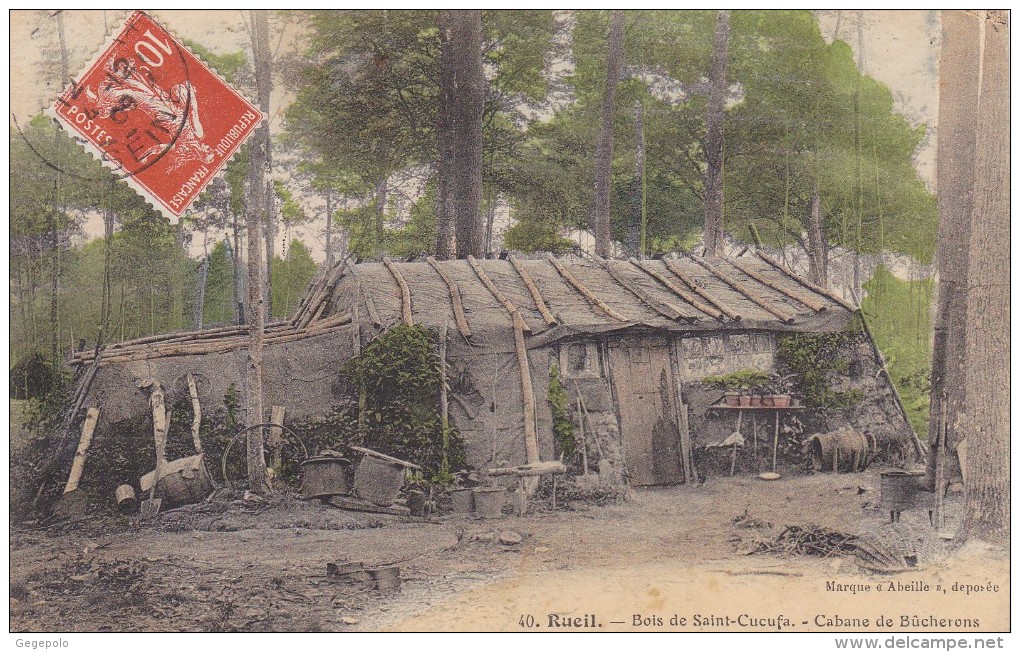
column 810, row 302
column 806, row 283
column 547, row 315
column 744, row 290
column 669, row 311
column 455, row 298
column 499, row 296
column 677, row 290
column 405, row 293
column 700, row 291
column 584, row 291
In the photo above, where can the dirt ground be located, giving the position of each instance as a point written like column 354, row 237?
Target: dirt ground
column 665, row 559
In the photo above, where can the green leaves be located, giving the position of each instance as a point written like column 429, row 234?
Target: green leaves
column 397, row 378
column 559, row 402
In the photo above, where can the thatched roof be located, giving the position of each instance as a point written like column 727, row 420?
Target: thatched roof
column 555, row 297
column 559, row 296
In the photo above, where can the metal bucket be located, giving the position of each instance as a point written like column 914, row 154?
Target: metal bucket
column 489, row 501
column 184, row 482
column 378, row 480
column 323, row 477
column 899, row 489
column 463, row 501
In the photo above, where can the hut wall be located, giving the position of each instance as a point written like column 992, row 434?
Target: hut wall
column 300, row 375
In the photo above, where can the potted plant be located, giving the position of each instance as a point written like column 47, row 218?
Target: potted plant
column 745, row 396
column 779, row 391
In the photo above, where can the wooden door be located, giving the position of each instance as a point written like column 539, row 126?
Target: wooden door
column 644, row 388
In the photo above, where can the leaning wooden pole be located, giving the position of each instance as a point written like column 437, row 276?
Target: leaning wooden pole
column 527, row 390
column 78, row 465
column 196, row 409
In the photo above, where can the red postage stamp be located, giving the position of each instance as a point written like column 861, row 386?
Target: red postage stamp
column 157, row 115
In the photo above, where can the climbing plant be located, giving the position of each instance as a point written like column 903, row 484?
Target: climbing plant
column 395, row 383
column 813, row 360
column 559, row 402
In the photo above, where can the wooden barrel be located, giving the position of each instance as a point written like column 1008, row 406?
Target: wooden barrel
column 841, row 451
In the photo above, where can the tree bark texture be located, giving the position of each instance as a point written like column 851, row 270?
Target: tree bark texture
column 959, row 75
column 199, row 309
column 264, row 88
column 635, row 225
column 444, row 138
column 715, row 114
column 986, row 465
column 601, row 223
column 255, row 207
column 330, row 259
column 818, row 255
column 465, row 181
column 57, row 212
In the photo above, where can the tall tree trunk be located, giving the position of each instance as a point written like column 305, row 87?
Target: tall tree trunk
column 198, row 313
column 715, row 114
column 600, row 222
column 818, row 256
column 987, row 339
column 959, row 84
column 104, row 332
column 636, row 223
column 56, row 213
column 262, row 56
column 235, row 266
column 465, row 184
column 255, row 208
column 490, row 220
column 330, row 260
column 444, row 138
column 381, row 197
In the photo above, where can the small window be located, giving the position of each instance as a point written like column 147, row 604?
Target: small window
column 581, row 360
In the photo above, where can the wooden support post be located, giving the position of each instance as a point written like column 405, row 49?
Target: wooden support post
column 405, row 293
column 157, row 405
column 743, row 289
column 528, row 392
column 196, row 410
column 275, row 442
column 444, row 399
column 584, row 437
column 682, row 423
column 455, row 298
column 584, row 291
column 775, row 443
column 550, row 320
column 78, row 465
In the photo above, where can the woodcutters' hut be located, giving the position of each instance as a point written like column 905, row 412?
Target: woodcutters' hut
column 631, row 339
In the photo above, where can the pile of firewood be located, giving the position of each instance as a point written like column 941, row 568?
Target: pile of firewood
column 822, row 542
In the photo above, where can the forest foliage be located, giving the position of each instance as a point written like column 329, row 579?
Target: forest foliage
column 800, row 118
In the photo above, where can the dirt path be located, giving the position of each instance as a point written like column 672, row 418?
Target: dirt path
column 662, row 553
